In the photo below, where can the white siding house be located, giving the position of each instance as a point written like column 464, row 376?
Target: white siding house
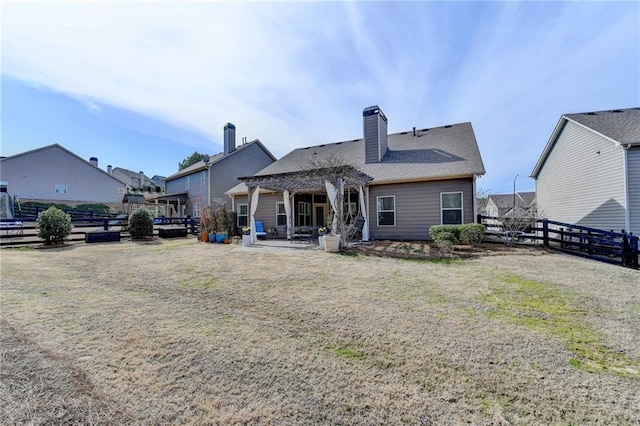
column 589, row 172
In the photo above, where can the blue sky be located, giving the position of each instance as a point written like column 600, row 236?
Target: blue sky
column 141, row 85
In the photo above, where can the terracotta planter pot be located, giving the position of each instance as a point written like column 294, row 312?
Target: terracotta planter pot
column 205, row 237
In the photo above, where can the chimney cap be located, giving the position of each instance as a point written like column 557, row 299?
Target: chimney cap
column 372, row 110
column 229, row 126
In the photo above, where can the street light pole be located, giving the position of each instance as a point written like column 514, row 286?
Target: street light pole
column 514, row 193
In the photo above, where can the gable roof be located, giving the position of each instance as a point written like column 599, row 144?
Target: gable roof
column 200, row 165
column 506, row 200
column 58, row 146
column 435, row 153
column 620, row 126
column 132, row 174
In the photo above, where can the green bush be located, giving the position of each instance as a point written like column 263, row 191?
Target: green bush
column 140, row 224
column 54, row 225
column 96, row 208
column 469, row 233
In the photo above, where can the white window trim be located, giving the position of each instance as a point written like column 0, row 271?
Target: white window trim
column 188, row 183
column 196, row 209
column 238, row 215
column 378, row 211
column 281, row 214
column 203, row 179
column 461, row 208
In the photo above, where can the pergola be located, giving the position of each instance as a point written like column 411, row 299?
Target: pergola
column 332, row 180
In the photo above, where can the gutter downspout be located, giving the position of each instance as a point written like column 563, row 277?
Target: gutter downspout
column 627, row 213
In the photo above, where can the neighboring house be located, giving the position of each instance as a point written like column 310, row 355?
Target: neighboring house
column 589, row 172
column 55, row 174
column 401, row 183
column 134, row 180
column 158, row 181
column 499, row 205
column 205, row 182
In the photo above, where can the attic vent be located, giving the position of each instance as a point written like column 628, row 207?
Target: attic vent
column 308, row 147
column 338, row 143
column 590, row 113
column 424, row 130
column 616, row 110
column 447, row 126
column 322, row 145
column 355, row 140
column 403, row 133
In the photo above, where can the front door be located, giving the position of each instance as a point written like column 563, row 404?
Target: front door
column 320, row 216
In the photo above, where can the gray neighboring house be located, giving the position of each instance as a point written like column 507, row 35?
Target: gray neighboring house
column 406, row 182
column 54, row 174
column 134, row 180
column 589, row 171
column 206, row 182
column 502, row 204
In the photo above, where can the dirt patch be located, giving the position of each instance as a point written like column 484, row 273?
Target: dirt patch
column 424, row 250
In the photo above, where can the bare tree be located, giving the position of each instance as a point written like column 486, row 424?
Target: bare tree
column 517, row 221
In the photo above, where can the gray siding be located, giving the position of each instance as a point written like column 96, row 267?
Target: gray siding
column 417, row 207
column 266, row 210
column 582, row 180
column 244, row 162
column 35, row 175
column 375, row 137
column 633, row 170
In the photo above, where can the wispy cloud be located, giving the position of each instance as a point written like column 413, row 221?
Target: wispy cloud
column 294, row 74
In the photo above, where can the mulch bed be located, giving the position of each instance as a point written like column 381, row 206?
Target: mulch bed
column 424, row 250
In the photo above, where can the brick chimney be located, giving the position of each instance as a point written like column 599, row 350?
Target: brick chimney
column 229, row 138
column 375, row 134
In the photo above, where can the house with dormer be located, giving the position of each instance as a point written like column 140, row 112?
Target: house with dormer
column 400, row 183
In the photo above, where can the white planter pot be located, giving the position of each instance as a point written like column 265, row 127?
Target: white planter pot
column 246, row 240
column 321, row 242
column 332, row 243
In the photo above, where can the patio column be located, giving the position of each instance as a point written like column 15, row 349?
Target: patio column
column 253, row 204
column 332, row 193
column 364, row 211
column 287, row 210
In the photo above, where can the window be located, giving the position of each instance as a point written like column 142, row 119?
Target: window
column 304, row 213
column 386, row 207
column 242, row 211
column 281, row 215
column 61, row 189
column 188, row 183
column 196, row 209
column 451, row 207
column 203, row 179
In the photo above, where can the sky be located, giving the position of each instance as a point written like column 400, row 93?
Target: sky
column 142, row 85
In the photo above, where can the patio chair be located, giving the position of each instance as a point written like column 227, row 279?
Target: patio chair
column 260, row 232
column 355, row 229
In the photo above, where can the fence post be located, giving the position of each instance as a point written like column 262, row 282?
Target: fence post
column 634, row 250
column 545, row 232
column 106, row 224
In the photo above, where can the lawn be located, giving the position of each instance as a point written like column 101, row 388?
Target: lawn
column 182, row 332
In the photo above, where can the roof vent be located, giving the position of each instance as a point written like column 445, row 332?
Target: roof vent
column 424, row 130
column 447, row 126
column 616, row 110
column 93, row 161
column 590, row 113
column 403, row 133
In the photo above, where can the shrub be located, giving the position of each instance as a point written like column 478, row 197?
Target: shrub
column 96, row 208
column 471, row 233
column 54, row 225
column 140, row 224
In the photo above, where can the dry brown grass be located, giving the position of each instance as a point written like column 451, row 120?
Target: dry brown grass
column 190, row 333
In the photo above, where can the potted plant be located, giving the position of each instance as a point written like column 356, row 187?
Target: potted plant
column 205, row 223
column 332, row 243
column 321, row 233
column 246, row 236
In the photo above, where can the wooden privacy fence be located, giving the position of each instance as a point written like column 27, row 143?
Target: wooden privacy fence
column 25, row 232
column 608, row 246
